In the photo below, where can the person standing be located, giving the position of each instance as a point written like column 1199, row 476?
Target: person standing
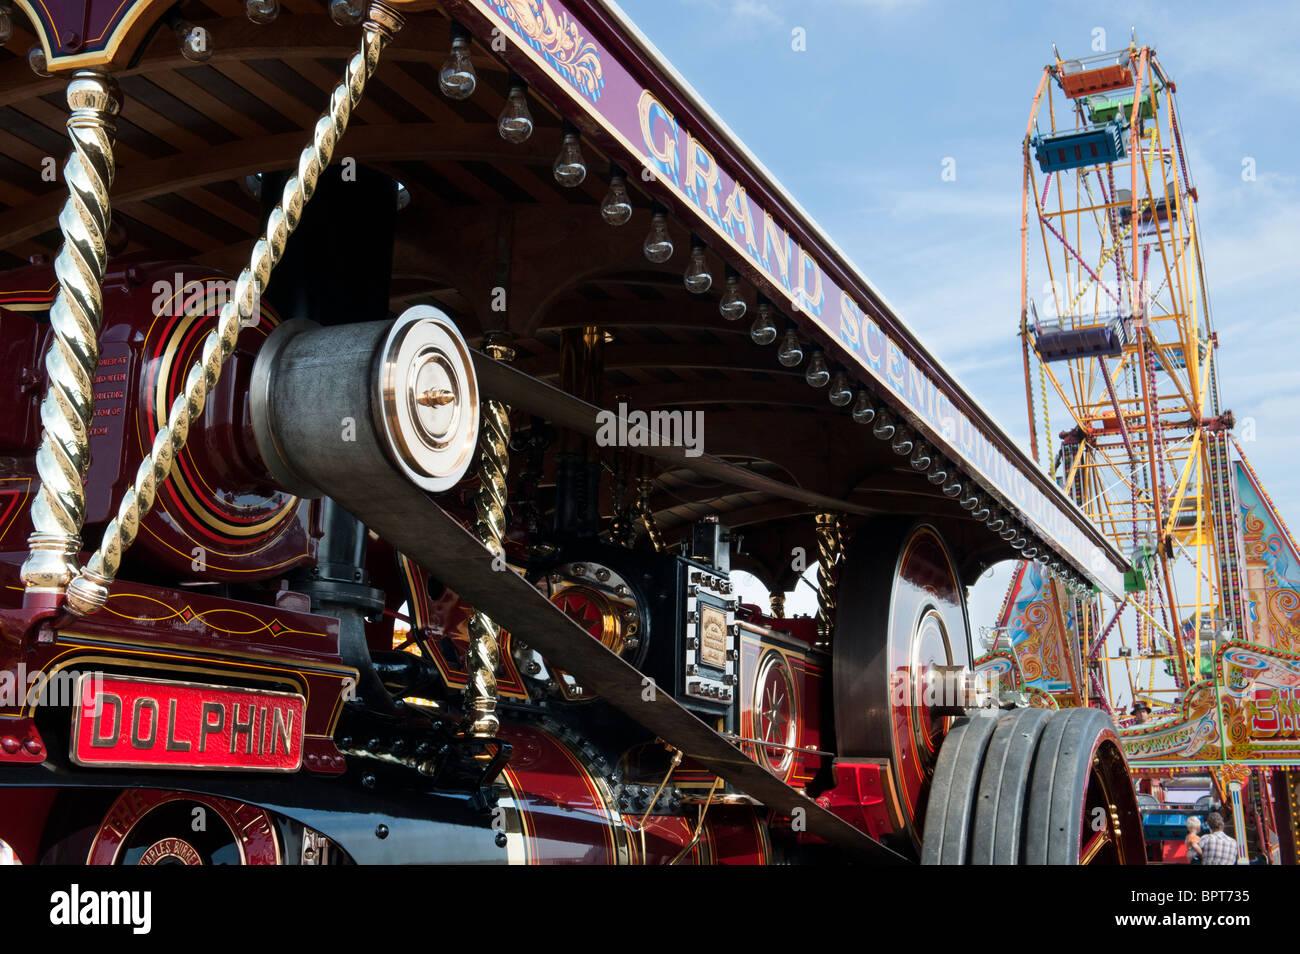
column 1193, row 840
column 1218, row 847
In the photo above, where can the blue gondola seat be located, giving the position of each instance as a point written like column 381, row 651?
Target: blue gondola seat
column 1077, row 148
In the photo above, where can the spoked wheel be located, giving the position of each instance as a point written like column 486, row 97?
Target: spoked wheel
column 1033, row 786
column 900, row 612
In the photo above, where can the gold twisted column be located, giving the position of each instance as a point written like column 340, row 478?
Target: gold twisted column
column 89, row 591
column 828, row 553
column 59, row 507
column 777, row 599
column 646, row 515
column 490, row 502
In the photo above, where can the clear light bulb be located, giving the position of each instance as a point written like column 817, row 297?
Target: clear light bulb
column 570, row 168
column 952, row 489
column 938, row 472
column 863, row 411
column 616, row 207
column 902, row 443
column 262, row 11
column 457, row 78
column 697, row 278
column 791, row 352
column 346, row 13
column 763, row 330
column 884, row 427
column 195, row 42
column 840, row 393
column 996, row 521
column 920, row 459
column 732, row 306
column 515, row 122
column 817, row 375
column 658, row 245
column 36, row 61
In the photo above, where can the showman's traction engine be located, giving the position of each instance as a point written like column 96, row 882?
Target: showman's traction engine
column 311, row 519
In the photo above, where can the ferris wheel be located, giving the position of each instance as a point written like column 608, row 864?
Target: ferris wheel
column 1119, row 357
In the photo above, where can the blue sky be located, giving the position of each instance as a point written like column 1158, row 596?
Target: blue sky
column 857, row 127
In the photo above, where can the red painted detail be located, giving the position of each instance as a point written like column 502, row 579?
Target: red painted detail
column 8, row 504
column 150, row 722
column 860, row 797
column 564, row 812
column 249, row 825
column 736, row 837
column 578, row 605
column 20, row 740
column 732, row 836
column 663, row 840
column 323, row 757
column 23, row 813
column 22, row 383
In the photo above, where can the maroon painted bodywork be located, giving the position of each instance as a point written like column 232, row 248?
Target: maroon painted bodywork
column 218, row 517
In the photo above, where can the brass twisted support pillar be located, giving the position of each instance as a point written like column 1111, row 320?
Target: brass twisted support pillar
column 828, row 553
column 59, row 507
column 490, row 503
column 777, row 599
column 89, row 591
column 646, row 515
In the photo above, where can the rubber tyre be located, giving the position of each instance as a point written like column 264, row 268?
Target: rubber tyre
column 1004, row 782
column 1058, row 786
column 950, row 811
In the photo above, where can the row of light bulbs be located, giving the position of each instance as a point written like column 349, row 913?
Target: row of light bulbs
column 515, row 124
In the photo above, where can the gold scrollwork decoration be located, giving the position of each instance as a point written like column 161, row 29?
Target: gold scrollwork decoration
column 557, row 37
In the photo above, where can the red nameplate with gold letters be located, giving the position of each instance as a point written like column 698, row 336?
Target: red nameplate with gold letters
column 122, row 721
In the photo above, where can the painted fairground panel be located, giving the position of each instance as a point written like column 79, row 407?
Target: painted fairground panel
column 1249, row 716
column 1272, row 568
column 1036, row 627
column 998, row 672
column 1193, row 738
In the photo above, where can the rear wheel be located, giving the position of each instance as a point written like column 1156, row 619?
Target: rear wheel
column 1033, row 786
column 901, row 612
